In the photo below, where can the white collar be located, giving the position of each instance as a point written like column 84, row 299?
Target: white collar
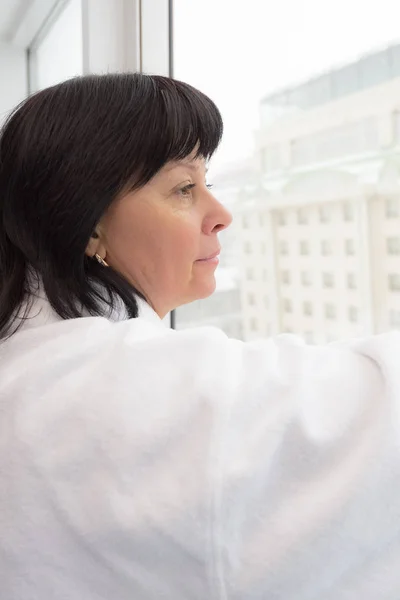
column 41, row 313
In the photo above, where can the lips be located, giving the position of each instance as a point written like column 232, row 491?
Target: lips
column 211, row 256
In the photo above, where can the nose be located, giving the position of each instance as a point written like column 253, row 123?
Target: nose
column 218, row 217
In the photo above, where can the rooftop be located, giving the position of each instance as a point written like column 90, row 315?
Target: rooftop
column 368, row 71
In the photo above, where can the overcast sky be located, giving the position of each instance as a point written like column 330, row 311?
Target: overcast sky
column 239, row 51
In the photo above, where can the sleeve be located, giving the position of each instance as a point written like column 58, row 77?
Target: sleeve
column 309, row 488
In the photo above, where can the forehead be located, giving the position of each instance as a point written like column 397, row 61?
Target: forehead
column 193, row 164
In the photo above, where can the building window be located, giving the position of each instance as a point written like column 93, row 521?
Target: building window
column 253, row 324
column 394, row 318
column 261, row 220
column 348, row 212
column 307, row 308
column 327, row 280
column 350, row 247
column 302, row 216
column 251, row 299
column 247, row 248
column 324, row 214
column 393, row 245
column 351, row 281
column 304, row 248
column 245, row 222
column 265, row 275
column 266, row 302
column 394, row 282
column 283, row 247
column 306, row 278
column 392, row 208
column 281, row 218
column 285, row 275
column 250, row 274
column 330, row 311
column 287, row 305
column 353, row 314
column 263, row 248
column 326, row 247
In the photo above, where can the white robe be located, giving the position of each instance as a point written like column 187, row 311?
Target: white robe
column 138, row 463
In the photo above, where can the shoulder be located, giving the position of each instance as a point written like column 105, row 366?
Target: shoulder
column 207, row 351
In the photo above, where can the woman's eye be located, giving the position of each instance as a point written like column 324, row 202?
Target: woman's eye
column 186, row 190
column 209, row 186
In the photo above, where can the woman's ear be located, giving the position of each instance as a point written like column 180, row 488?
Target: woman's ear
column 95, row 246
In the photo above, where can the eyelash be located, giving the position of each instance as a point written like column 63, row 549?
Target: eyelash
column 188, row 188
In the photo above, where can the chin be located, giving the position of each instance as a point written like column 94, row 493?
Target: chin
column 206, row 289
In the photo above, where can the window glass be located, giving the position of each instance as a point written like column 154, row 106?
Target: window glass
column 393, row 245
column 59, row 55
column 351, row 281
column 309, row 137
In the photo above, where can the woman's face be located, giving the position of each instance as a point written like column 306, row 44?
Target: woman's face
column 160, row 237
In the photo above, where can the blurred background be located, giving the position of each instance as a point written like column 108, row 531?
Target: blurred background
column 310, row 162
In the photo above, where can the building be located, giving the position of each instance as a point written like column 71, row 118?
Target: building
column 320, row 230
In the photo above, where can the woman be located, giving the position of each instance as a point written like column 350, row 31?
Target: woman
column 141, row 462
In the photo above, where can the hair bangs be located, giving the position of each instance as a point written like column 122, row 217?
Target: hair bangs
column 194, row 122
column 179, row 121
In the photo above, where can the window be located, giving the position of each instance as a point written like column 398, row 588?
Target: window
column 287, row 305
column 348, row 212
column 253, row 324
column 247, row 248
column 314, row 183
column 302, row 216
column 374, row 69
column 306, row 278
column 394, row 282
column 330, row 311
column 350, row 247
column 326, row 247
column 392, row 208
column 324, row 214
column 281, row 218
column 283, row 247
column 249, row 274
column 351, row 281
column 393, row 245
column 394, row 318
column 353, row 314
column 304, row 248
column 59, row 55
column 327, row 280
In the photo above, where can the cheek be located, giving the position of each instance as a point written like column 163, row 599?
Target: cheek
column 154, row 241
